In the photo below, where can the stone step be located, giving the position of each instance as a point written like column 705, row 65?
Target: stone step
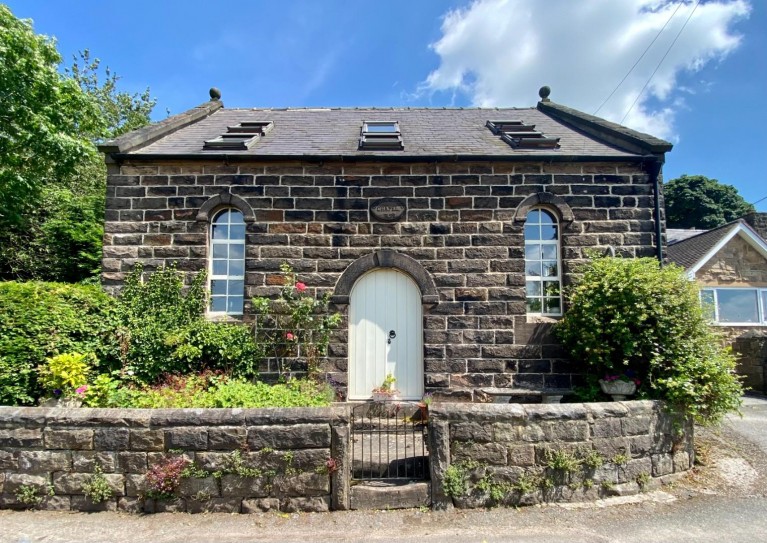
column 390, row 495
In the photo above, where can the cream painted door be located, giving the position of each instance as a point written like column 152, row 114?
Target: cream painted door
column 385, row 334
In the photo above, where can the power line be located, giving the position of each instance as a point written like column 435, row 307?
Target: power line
column 759, row 200
column 639, row 59
column 661, row 61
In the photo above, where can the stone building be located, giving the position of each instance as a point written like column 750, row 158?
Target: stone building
column 444, row 235
column 730, row 264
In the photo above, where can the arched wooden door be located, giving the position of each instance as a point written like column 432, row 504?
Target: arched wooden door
column 385, row 334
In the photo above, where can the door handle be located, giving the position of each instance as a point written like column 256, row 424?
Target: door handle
column 392, row 335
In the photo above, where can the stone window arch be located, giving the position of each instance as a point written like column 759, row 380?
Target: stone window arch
column 223, row 200
column 554, row 203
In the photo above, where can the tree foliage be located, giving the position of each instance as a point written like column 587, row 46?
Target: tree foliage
column 43, row 116
column 630, row 316
column 695, row 201
column 52, row 178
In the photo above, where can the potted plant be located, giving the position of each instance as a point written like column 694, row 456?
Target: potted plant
column 65, row 378
column 424, row 404
column 619, row 386
column 386, row 392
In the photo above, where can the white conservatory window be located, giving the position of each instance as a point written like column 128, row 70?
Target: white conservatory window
column 227, row 263
column 543, row 278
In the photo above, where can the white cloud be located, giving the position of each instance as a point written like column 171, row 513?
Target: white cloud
column 499, row 52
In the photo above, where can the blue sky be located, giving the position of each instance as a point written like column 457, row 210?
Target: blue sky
column 706, row 96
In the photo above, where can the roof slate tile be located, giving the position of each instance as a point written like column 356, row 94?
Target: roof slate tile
column 336, row 132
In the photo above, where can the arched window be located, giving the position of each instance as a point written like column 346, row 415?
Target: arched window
column 543, row 268
column 227, row 263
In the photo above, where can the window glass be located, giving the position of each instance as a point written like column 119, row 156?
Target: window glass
column 737, row 305
column 764, row 306
column 227, row 267
column 382, row 127
column 708, row 303
column 542, row 264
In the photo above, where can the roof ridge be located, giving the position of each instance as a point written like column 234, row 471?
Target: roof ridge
column 374, row 108
column 614, row 133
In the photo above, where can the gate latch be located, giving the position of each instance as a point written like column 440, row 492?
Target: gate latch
column 392, row 335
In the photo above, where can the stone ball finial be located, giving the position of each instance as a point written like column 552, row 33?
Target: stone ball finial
column 215, row 94
column 544, row 92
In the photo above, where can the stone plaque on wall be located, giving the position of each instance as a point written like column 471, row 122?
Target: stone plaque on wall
column 388, row 209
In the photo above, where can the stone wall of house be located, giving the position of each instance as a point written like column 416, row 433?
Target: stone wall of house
column 738, row 264
column 266, row 459
column 506, row 454
column 459, row 225
column 735, row 265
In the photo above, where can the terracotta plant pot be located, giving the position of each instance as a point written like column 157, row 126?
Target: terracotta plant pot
column 618, row 389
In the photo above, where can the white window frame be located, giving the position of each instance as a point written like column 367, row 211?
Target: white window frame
column 761, row 292
column 550, row 279
column 211, row 277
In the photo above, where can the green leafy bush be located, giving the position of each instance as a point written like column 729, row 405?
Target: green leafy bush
column 163, row 329
column 295, row 393
column 228, row 347
column 632, row 316
column 207, row 389
column 66, row 372
column 41, row 320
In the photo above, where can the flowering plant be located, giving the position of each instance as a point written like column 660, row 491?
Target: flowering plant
column 164, row 477
column 297, row 324
column 427, row 398
column 628, row 376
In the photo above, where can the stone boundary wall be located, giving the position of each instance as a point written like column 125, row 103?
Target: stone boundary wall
column 513, row 454
column 48, row 455
column 298, row 459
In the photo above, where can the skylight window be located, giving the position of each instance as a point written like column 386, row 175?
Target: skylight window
column 240, row 137
column 381, row 136
column 522, row 136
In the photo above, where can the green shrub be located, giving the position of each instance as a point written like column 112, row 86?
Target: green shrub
column 163, row 329
column 227, row 347
column 66, row 372
column 41, row 320
column 152, row 310
column 630, row 316
column 295, row 393
column 215, row 390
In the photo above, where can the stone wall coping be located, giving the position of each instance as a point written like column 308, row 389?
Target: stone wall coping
column 337, row 414
column 570, row 411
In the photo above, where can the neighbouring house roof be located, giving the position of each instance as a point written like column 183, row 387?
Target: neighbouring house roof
column 674, row 235
column 695, row 250
column 425, row 132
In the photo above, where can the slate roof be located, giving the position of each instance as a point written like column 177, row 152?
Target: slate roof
column 674, row 235
column 688, row 252
column 426, row 132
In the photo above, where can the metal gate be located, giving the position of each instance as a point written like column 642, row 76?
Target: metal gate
column 389, row 442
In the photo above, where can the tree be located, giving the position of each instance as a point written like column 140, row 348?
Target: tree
column 43, row 116
column 53, row 196
column 695, row 201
